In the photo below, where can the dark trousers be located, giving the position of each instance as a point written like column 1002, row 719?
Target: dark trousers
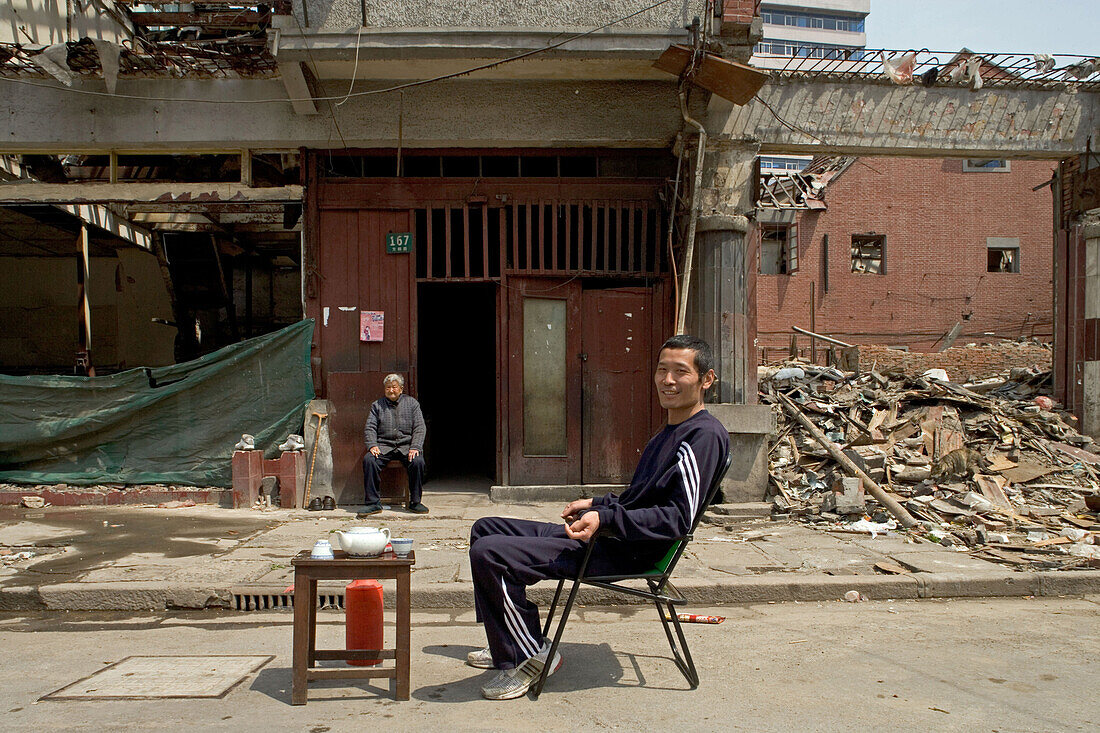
column 506, row 556
column 372, row 474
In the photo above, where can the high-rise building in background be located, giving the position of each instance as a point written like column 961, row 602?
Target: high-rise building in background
column 824, row 29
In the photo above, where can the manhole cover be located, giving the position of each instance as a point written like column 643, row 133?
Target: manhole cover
column 140, row 678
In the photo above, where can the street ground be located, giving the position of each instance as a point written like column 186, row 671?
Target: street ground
column 148, row 558
column 1003, row 665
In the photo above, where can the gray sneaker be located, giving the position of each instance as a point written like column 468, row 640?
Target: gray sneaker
column 513, row 683
column 482, row 659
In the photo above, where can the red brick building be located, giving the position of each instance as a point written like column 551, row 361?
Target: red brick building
column 906, row 248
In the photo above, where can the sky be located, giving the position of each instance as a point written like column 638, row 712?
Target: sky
column 989, row 26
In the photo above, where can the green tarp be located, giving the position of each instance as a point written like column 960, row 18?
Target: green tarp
column 169, row 425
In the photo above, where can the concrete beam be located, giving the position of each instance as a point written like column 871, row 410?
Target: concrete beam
column 297, row 87
column 255, row 114
column 870, row 118
column 163, row 193
column 103, row 218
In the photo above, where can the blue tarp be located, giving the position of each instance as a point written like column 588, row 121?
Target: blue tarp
column 173, row 425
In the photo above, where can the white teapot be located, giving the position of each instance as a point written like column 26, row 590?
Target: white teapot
column 361, row 541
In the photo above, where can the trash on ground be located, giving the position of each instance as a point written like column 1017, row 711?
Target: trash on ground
column 985, row 465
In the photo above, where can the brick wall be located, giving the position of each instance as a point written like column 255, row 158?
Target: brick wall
column 740, row 11
column 962, row 363
column 936, row 219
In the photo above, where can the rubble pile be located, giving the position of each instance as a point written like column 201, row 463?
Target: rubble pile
column 987, row 466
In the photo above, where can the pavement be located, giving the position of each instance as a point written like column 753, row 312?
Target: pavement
column 1002, row 664
column 130, row 558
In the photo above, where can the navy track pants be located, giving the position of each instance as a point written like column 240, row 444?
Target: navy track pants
column 506, row 556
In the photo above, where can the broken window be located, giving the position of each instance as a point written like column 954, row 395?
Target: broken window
column 869, row 253
column 973, row 165
column 1002, row 254
column 778, row 249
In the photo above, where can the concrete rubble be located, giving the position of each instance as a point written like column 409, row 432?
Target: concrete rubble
column 986, row 467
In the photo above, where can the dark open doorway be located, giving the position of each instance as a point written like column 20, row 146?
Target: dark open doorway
column 456, row 380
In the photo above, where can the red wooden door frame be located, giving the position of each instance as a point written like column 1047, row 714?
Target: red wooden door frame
column 618, row 398
column 524, row 469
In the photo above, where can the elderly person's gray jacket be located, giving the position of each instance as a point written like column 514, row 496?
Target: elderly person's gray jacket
column 397, row 425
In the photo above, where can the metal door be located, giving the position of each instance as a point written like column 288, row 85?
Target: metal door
column 618, row 395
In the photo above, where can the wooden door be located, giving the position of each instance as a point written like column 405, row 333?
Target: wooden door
column 616, row 326
column 358, row 275
column 544, row 381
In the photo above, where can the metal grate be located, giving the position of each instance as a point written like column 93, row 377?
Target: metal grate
column 1006, row 70
column 274, row 601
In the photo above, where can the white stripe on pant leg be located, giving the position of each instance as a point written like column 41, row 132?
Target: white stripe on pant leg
column 519, row 619
column 510, row 624
column 515, row 624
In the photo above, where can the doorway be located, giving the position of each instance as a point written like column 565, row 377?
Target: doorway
column 457, row 382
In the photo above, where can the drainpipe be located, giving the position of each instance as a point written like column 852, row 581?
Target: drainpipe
column 689, row 253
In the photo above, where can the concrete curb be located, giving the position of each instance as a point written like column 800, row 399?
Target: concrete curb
column 776, row 588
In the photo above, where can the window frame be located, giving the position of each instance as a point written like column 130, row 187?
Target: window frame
column 788, row 251
column 862, row 239
column 973, row 165
column 1003, row 244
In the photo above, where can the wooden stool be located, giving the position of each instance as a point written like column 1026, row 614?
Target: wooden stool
column 307, row 572
column 394, row 482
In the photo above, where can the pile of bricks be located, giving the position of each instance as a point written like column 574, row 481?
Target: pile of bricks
column 962, row 363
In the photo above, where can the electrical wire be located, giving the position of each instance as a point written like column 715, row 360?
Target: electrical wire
column 370, row 92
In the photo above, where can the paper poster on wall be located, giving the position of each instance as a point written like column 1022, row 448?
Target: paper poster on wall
column 371, row 324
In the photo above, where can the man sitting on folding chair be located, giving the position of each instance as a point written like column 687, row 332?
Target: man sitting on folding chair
column 660, row 505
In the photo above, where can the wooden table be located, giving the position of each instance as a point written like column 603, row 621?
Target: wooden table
column 307, row 572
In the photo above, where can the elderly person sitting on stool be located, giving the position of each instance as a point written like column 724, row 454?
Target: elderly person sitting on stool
column 395, row 432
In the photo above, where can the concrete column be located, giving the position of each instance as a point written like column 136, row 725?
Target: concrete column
column 1090, row 407
column 724, row 281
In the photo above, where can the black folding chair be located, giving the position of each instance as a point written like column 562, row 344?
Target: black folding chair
column 661, row 591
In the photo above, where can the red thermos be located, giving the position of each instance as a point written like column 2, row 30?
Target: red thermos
column 363, row 614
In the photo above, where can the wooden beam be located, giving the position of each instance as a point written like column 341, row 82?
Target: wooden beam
column 160, row 193
column 84, row 327
column 103, row 218
column 223, row 20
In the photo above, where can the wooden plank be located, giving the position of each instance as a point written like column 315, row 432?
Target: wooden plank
column 593, row 244
column 485, row 240
column 337, row 673
column 632, row 211
column 466, row 240
column 343, row 654
column 447, row 240
column 554, row 237
column 429, row 272
column 542, row 235
column 515, row 236
column 572, row 254
column 530, row 244
column 607, row 237
column 643, row 258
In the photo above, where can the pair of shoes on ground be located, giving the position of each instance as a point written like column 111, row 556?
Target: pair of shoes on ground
column 513, row 683
column 318, row 504
column 371, row 509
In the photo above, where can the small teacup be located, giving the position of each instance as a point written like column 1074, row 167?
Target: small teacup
column 322, row 550
column 402, row 546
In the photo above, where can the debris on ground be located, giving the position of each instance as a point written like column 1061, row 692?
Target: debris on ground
column 175, row 504
column 988, row 466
